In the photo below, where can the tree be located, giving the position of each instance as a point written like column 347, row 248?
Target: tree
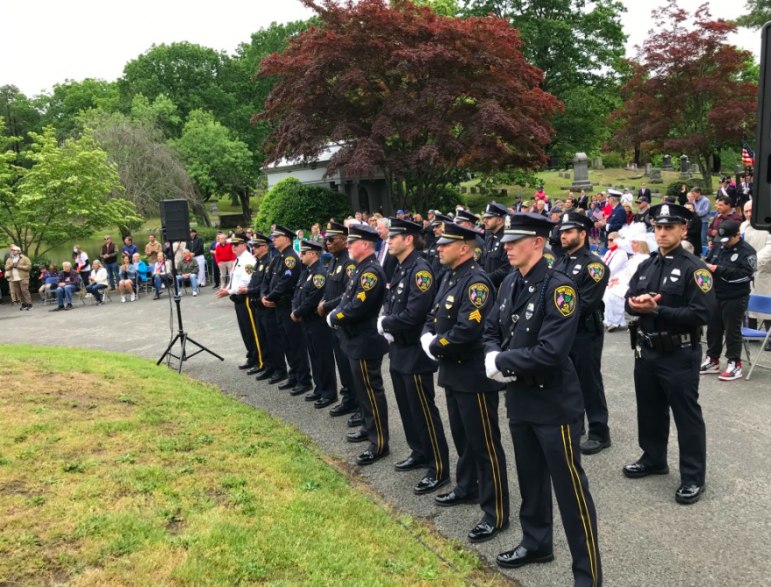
column 62, row 108
column 217, row 163
column 63, row 197
column 20, row 115
column 412, row 93
column 758, row 14
column 685, row 94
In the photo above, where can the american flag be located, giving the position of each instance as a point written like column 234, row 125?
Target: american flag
column 748, row 155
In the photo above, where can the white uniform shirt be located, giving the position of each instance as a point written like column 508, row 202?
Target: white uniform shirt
column 616, row 261
column 242, row 272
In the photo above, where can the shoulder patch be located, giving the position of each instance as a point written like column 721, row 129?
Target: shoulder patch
column 424, row 279
column 753, row 261
column 477, row 254
column 261, row 268
column 549, row 258
column 368, row 281
column 249, row 269
column 478, row 293
column 703, row 279
column 596, row 271
column 350, row 269
column 565, row 300
column 290, row 262
column 318, row 281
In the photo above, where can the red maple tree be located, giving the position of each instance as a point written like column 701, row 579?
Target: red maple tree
column 685, row 94
column 407, row 91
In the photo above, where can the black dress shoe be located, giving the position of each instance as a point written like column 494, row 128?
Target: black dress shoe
column 57, row 309
column 409, row 464
column 356, row 420
column 255, row 370
column 484, row 531
column 276, row 377
column 447, row 500
column 287, row 384
column 368, row 457
column 342, row 409
column 312, row 397
column 322, row 403
column 593, row 446
column 688, row 494
column 428, row 485
column 245, row 366
column 299, row 389
column 521, row 556
column 637, row 470
column 358, row 436
column 69, row 306
column 262, row 376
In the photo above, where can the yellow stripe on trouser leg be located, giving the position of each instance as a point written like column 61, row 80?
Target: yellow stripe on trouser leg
column 499, row 493
column 498, row 513
column 254, row 329
column 373, row 403
column 429, row 425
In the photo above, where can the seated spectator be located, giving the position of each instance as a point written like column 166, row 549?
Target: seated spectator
column 82, row 266
column 129, row 246
column 98, row 280
column 69, row 282
column 47, row 273
column 152, row 249
column 162, row 274
column 17, row 268
column 224, row 257
column 140, row 268
column 127, row 279
column 187, row 270
column 629, row 212
column 301, row 236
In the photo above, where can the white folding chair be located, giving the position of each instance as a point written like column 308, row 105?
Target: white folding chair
column 760, row 305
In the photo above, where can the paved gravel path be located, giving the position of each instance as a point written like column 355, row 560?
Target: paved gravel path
column 645, row 538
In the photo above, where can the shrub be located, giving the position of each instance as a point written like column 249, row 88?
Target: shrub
column 613, row 159
column 673, row 189
column 294, row 205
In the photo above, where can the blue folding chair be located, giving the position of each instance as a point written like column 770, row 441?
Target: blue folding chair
column 49, row 294
column 594, row 248
column 704, row 251
column 760, row 305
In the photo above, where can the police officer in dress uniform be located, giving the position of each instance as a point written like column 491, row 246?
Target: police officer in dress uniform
column 496, row 263
column 241, row 276
column 284, row 274
column 591, row 276
column 672, row 294
column 469, row 220
column 264, row 318
column 408, row 301
column 527, row 336
column 432, row 253
column 339, row 272
column 453, row 336
column 357, row 317
column 318, row 335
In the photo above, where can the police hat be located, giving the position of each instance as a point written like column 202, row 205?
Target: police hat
column 402, row 226
column 555, row 210
column 283, row 231
column 495, row 210
column 728, row 229
column 576, row 220
column 525, row 224
column 462, row 215
column 239, row 238
column 362, row 232
column 670, row 214
column 306, row 246
column 439, row 219
column 335, row 229
column 259, row 239
column 614, row 194
column 452, row 233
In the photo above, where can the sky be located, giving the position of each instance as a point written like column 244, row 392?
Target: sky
column 47, row 41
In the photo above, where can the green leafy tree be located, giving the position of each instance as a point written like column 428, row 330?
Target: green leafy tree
column 62, row 107
column 160, row 114
column 758, row 14
column 64, row 196
column 298, row 206
column 20, row 115
column 448, row 8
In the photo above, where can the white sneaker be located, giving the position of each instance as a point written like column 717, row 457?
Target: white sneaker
column 133, row 297
column 708, row 367
column 163, row 286
column 732, row 372
column 123, row 299
column 195, row 293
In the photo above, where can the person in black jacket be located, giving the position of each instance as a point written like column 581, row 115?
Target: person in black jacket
column 265, row 318
column 195, row 246
column 496, row 264
column 693, row 235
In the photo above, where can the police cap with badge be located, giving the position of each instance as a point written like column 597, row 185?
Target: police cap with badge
column 526, row 224
column 439, row 219
column 577, row 220
column 336, row 229
column 239, row 238
column 283, row 231
column 495, row 210
column 728, row 229
column 462, row 215
column 404, row 227
column 311, row 246
column 453, row 233
column 670, row 214
column 362, row 232
column 258, row 239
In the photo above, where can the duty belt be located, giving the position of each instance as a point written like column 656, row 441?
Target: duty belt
column 666, row 342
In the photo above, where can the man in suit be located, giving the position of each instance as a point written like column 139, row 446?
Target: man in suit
column 644, row 193
column 617, row 219
column 387, row 261
column 728, row 191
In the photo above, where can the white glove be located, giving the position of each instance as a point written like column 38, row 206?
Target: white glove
column 490, row 369
column 425, row 342
column 380, row 327
column 388, row 337
column 329, row 320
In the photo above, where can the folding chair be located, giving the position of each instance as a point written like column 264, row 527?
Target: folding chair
column 144, row 283
column 49, row 295
column 704, row 251
column 760, row 305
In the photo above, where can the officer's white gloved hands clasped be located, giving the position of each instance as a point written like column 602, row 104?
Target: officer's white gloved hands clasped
column 425, row 342
column 388, row 337
column 492, row 370
column 329, row 320
column 380, row 325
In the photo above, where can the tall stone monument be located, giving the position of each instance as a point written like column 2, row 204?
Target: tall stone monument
column 597, row 163
column 666, row 164
column 685, row 167
column 648, row 167
column 581, row 173
column 655, row 176
column 694, row 169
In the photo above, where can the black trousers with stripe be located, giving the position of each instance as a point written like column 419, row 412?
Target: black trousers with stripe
column 368, row 380
column 586, row 355
column 293, row 344
column 272, row 353
column 347, row 387
column 422, row 422
column 549, row 455
column 248, row 334
column 318, row 338
column 481, row 471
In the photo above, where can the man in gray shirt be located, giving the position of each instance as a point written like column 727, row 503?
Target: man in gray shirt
column 703, row 208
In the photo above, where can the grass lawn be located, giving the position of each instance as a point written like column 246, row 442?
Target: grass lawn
column 116, row 472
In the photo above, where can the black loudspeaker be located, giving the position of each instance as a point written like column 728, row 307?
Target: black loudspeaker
column 175, row 220
column 761, row 188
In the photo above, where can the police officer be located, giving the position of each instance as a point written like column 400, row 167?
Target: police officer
column 318, row 335
column 555, row 238
column 591, row 277
column 527, row 336
column 357, row 316
column 672, row 293
column 469, row 220
column 339, row 272
column 453, row 336
column 240, row 278
column 284, row 274
column 264, row 318
column 408, row 301
column 732, row 262
column 432, row 253
column 496, row 263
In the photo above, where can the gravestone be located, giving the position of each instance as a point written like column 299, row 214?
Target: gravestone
column 581, row 173
column 504, row 192
column 666, row 165
column 463, row 189
column 655, row 176
column 685, row 167
column 694, row 168
column 483, row 190
column 567, row 176
column 597, row 163
column 648, row 167
column 473, row 190
column 213, row 208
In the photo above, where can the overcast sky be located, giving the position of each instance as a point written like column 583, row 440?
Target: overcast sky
column 47, row 41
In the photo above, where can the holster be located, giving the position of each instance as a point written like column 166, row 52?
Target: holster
column 406, row 338
column 238, row 298
column 351, row 330
column 634, row 332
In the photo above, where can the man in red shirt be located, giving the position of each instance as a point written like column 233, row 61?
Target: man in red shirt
column 224, row 257
column 725, row 211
